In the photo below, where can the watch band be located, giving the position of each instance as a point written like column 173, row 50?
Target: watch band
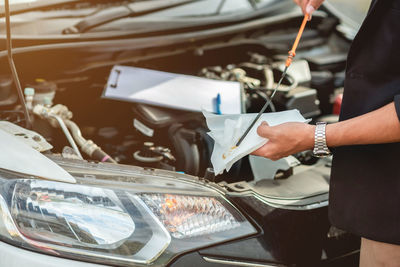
column 320, row 147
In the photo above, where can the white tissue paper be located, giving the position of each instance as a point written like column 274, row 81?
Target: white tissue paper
column 226, row 130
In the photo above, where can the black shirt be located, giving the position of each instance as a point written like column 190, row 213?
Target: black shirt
column 365, row 182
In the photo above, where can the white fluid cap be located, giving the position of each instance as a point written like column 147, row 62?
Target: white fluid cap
column 29, row 91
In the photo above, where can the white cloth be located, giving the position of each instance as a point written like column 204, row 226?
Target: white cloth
column 226, row 130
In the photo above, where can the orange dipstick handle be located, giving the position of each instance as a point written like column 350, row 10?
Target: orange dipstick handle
column 292, row 53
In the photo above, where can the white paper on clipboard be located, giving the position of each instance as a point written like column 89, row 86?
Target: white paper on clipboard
column 172, row 90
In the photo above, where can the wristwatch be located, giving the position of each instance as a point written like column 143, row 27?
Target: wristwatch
column 321, row 150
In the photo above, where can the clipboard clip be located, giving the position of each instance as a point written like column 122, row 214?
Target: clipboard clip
column 115, row 83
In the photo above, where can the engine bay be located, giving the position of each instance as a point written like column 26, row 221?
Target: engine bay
column 63, row 91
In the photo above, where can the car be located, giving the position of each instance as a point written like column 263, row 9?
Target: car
column 88, row 180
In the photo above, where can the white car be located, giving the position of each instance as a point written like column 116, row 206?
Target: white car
column 86, row 180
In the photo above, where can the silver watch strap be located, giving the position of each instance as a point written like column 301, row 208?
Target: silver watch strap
column 320, row 147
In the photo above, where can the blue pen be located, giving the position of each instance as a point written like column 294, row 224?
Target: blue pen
column 218, row 104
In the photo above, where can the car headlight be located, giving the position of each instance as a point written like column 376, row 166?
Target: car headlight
column 134, row 225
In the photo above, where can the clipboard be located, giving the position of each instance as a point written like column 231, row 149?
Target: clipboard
column 177, row 91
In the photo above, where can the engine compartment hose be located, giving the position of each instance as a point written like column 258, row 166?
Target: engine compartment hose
column 102, row 156
column 67, row 134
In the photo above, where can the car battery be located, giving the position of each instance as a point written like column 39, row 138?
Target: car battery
column 302, row 98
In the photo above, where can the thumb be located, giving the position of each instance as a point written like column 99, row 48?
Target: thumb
column 264, row 129
column 312, row 6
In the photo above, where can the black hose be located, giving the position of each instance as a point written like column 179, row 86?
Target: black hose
column 28, row 122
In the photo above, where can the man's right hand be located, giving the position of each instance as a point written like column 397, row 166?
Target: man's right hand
column 309, row 6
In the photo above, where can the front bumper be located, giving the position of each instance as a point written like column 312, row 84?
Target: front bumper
column 12, row 256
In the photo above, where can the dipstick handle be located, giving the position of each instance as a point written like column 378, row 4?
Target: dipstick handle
column 292, row 52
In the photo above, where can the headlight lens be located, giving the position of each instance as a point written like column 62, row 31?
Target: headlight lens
column 113, row 225
column 51, row 212
column 187, row 216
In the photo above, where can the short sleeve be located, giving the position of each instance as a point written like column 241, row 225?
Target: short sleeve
column 397, row 105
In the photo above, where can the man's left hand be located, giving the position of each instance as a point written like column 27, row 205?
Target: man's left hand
column 285, row 139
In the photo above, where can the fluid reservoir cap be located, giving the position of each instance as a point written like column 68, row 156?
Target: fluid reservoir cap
column 42, row 86
column 29, row 91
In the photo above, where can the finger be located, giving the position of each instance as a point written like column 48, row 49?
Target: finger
column 303, row 5
column 275, row 158
column 310, row 9
column 312, row 6
column 315, row 4
column 263, row 130
column 259, row 152
column 266, row 153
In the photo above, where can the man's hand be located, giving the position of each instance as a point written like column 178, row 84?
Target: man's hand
column 376, row 127
column 309, row 6
column 285, row 139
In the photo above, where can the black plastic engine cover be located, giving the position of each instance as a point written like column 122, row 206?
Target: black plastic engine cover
column 302, row 98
